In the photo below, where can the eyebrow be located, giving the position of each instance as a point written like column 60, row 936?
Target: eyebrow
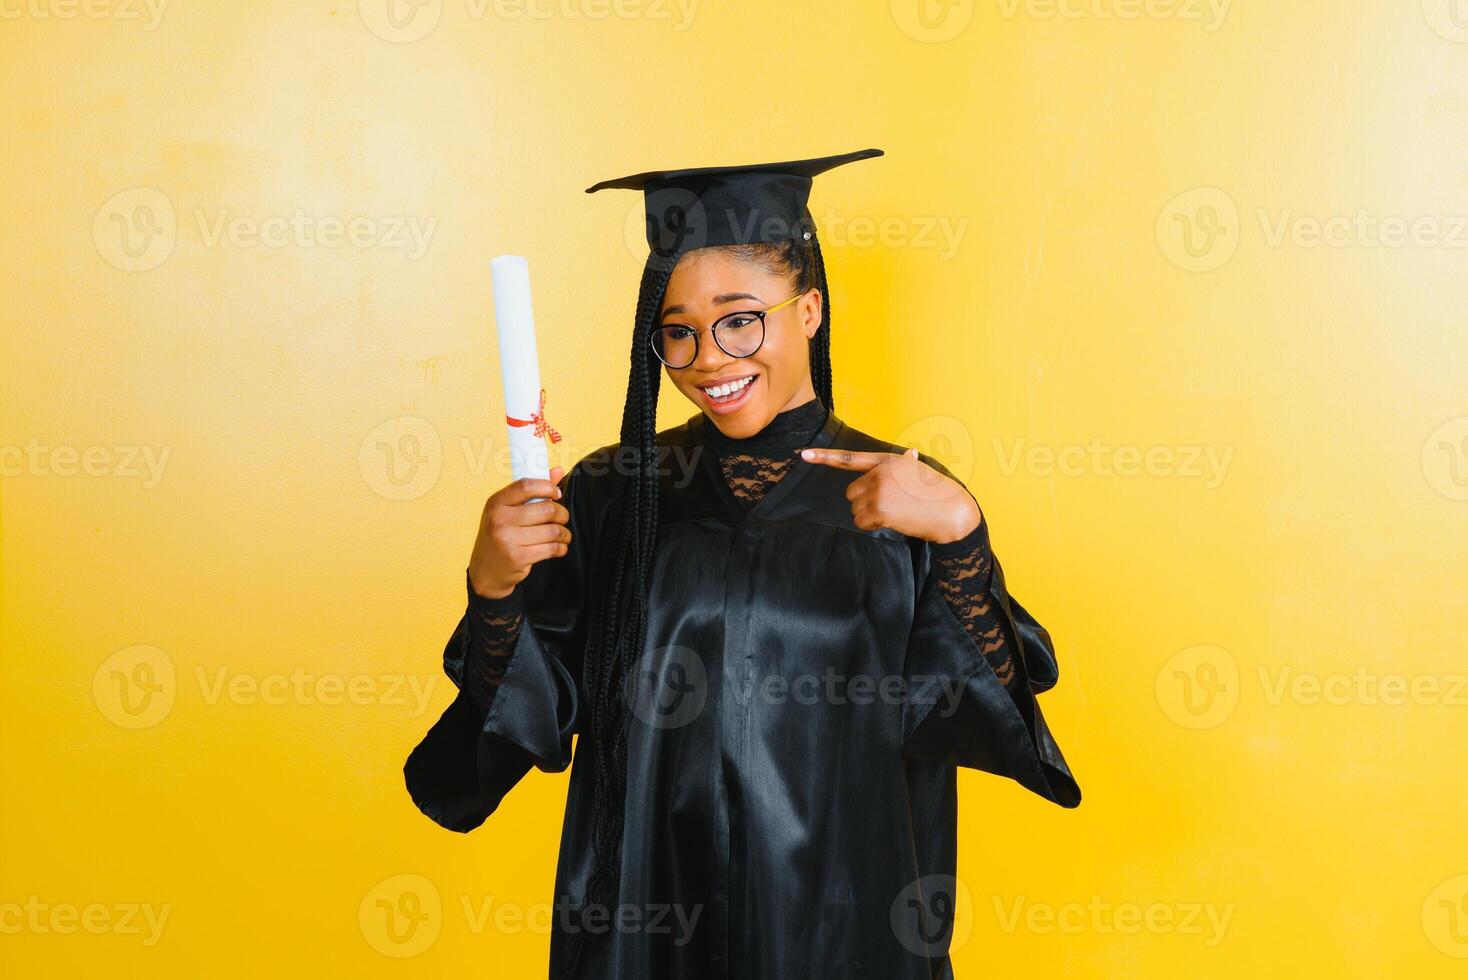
column 719, row 300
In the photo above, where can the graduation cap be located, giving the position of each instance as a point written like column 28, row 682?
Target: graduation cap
column 704, row 206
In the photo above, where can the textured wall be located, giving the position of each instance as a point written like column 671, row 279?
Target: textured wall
column 1176, row 286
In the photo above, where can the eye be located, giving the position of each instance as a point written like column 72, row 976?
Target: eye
column 677, row 331
column 738, row 320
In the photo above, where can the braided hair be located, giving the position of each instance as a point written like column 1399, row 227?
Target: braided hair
column 624, row 555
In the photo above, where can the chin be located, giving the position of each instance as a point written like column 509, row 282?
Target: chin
column 743, row 423
column 735, row 428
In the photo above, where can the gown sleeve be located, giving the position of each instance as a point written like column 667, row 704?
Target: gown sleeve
column 976, row 659
column 515, row 662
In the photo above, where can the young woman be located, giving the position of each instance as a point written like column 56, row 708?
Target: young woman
column 776, row 636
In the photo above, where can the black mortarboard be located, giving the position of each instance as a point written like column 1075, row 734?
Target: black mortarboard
column 761, row 202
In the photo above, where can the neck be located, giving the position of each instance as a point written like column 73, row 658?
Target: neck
column 804, row 394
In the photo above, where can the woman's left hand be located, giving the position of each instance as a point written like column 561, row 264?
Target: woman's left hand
column 901, row 492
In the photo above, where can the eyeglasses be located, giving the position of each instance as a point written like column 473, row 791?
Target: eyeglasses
column 737, row 334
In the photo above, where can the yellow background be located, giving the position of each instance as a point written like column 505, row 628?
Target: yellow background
column 305, row 540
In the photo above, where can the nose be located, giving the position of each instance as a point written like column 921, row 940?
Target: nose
column 710, row 357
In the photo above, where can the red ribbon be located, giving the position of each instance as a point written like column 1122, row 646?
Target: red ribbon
column 538, row 420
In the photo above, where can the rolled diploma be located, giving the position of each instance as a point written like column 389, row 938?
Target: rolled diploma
column 519, row 364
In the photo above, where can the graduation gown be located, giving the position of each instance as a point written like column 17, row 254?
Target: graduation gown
column 804, row 697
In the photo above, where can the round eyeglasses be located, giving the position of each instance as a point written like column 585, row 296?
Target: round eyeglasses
column 737, row 334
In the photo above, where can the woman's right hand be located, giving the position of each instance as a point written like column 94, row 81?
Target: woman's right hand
column 514, row 535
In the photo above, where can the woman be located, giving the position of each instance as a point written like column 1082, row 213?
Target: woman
column 775, row 659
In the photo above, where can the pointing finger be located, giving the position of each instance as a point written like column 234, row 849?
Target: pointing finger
column 843, row 459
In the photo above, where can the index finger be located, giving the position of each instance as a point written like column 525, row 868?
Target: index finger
column 844, row 459
column 528, row 488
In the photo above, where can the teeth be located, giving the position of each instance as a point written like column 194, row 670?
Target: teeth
column 719, row 391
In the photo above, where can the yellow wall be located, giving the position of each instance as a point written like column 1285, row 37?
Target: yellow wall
column 260, row 461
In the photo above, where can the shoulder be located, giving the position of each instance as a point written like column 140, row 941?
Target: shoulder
column 850, row 437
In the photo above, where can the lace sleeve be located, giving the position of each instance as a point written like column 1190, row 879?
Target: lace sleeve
column 494, row 626
column 963, row 570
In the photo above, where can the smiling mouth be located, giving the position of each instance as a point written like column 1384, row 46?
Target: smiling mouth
column 729, row 390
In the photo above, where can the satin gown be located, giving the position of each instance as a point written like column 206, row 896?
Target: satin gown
column 804, row 698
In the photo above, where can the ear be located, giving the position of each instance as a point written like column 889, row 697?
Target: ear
column 810, row 312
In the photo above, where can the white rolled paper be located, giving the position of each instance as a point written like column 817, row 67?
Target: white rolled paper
column 519, row 364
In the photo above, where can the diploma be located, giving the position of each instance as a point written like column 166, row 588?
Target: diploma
column 520, row 369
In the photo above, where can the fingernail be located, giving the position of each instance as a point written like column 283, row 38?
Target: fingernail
column 807, row 454
column 558, row 493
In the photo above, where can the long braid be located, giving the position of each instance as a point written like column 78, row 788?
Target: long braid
column 820, row 344
column 618, row 625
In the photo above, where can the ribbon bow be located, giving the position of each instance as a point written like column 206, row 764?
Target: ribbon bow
column 542, row 427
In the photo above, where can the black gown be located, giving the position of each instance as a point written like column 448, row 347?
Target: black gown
column 805, row 694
